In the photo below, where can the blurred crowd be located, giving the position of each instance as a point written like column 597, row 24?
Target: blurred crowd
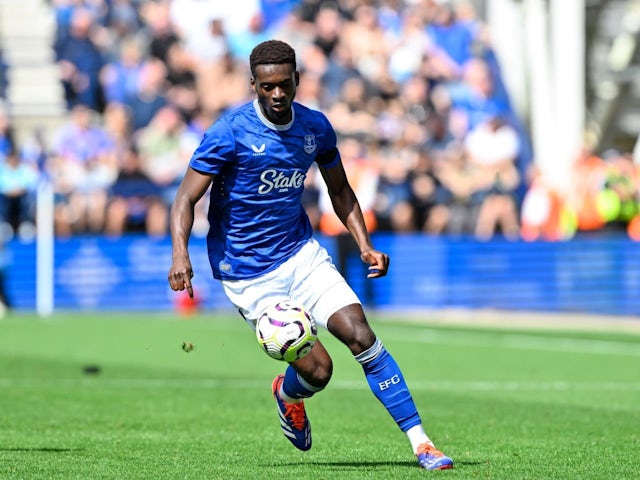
column 427, row 131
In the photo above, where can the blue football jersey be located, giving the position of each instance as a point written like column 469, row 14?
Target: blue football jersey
column 256, row 217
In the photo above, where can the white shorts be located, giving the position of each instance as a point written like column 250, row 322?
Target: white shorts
column 309, row 277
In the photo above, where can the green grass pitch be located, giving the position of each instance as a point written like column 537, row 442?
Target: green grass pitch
column 504, row 404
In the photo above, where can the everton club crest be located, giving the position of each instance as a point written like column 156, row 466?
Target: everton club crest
column 310, row 144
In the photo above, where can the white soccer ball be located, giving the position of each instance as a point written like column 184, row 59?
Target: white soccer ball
column 286, row 331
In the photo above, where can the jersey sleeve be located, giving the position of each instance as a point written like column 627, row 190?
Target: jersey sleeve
column 216, row 149
column 328, row 154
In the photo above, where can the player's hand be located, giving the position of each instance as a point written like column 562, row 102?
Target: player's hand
column 181, row 274
column 378, row 263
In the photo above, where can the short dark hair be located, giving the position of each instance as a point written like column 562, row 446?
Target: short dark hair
column 272, row 52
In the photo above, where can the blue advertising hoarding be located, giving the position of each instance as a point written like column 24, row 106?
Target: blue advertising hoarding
column 582, row 276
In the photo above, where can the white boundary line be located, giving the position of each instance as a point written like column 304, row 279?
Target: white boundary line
column 214, row 384
column 487, row 339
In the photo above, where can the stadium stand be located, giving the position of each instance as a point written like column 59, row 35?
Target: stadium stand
column 417, row 84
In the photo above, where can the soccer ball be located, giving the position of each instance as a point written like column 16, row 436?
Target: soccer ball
column 286, row 331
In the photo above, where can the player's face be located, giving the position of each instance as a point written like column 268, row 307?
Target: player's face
column 275, row 86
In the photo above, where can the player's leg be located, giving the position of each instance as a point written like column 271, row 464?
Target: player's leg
column 386, row 381
column 302, row 379
column 335, row 306
column 383, row 374
column 339, row 310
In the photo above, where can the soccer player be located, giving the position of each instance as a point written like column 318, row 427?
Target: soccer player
column 255, row 159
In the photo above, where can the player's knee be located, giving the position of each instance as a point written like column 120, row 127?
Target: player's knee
column 321, row 374
column 362, row 339
column 316, row 367
column 318, row 373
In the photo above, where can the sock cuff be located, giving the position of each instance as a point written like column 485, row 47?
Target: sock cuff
column 308, row 386
column 371, row 353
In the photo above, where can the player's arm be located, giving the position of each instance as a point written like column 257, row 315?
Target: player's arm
column 348, row 210
column 192, row 188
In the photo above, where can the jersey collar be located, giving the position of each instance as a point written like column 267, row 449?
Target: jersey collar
column 270, row 124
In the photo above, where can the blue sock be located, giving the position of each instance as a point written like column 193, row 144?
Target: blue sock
column 388, row 385
column 295, row 386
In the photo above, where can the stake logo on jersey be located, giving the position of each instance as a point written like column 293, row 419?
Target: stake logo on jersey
column 256, row 216
column 274, row 179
